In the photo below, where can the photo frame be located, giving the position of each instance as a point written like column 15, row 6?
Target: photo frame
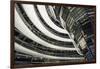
column 50, row 34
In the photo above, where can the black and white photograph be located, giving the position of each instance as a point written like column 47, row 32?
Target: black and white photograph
column 46, row 34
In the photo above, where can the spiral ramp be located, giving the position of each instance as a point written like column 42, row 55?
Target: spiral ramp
column 41, row 36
